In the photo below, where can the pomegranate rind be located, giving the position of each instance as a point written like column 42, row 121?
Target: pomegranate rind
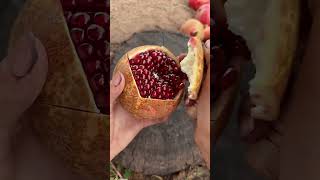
column 66, row 80
column 193, row 65
column 61, row 128
column 193, row 26
column 79, row 138
column 274, row 58
column 130, row 99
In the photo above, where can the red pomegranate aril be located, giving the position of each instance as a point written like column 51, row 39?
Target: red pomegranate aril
column 143, row 93
column 79, row 19
column 97, row 82
column 154, row 94
column 95, row 32
column 139, row 71
column 136, row 61
column 67, row 15
column 148, row 87
column 85, row 50
column 92, row 66
column 68, row 3
column 77, row 35
column 136, row 77
column 141, row 67
column 101, row 18
column 134, row 67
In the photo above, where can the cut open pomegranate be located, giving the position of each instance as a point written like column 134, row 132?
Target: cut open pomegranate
column 88, row 26
column 155, row 79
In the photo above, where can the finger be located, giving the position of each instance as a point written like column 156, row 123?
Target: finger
column 116, row 87
column 206, row 47
column 155, row 121
column 21, row 58
column 33, row 82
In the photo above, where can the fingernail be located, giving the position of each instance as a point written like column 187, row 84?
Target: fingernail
column 23, row 56
column 207, row 44
column 117, row 78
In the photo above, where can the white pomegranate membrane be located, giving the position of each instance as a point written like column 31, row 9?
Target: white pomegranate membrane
column 157, row 76
column 89, row 30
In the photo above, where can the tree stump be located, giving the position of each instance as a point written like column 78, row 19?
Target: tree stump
column 165, row 148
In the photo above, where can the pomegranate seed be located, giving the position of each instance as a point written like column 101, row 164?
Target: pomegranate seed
column 143, row 93
column 92, row 66
column 136, row 61
column 77, row 35
column 98, row 82
column 154, row 94
column 175, row 69
column 85, row 50
column 79, row 19
column 148, row 87
column 68, row 3
column 134, row 67
column 139, row 71
column 101, row 18
column 136, row 77
column 95, row 32
column 141, row 67
column 67, row 15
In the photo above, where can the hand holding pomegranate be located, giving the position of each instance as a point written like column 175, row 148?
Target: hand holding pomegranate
column 22, row 74
column 123, row 126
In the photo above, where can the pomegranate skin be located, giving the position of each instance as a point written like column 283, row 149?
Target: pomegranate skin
column 195, row 4
column 75, row 132
column 203, row 14
column 144, row 108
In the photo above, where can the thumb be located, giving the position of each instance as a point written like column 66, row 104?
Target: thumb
column 116, row 87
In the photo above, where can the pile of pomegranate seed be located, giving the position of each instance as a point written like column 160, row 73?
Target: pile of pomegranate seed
column 157, row 76
column 88, row 23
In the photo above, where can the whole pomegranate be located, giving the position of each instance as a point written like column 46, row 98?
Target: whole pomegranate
column 195, row 4
column 203, row 14
column 154, row 82
column 71, row 113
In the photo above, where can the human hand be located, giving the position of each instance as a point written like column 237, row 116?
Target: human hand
column 123, row 126
column 22, row 75
column 202, row 114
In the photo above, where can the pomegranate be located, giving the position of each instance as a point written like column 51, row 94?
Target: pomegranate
column 193, row 27
column 71, row 113
column 88, row 26
column 193, row 65
column 195, row 4
column 154, row 82
column 203, row 14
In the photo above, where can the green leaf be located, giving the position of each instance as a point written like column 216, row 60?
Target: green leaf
column 127, row 174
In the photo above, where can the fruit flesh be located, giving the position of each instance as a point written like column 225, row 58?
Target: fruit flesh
column 88, row 25
column 157, row 76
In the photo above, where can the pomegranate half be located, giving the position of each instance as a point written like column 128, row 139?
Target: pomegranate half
column 154, row 82
column 71, row 113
